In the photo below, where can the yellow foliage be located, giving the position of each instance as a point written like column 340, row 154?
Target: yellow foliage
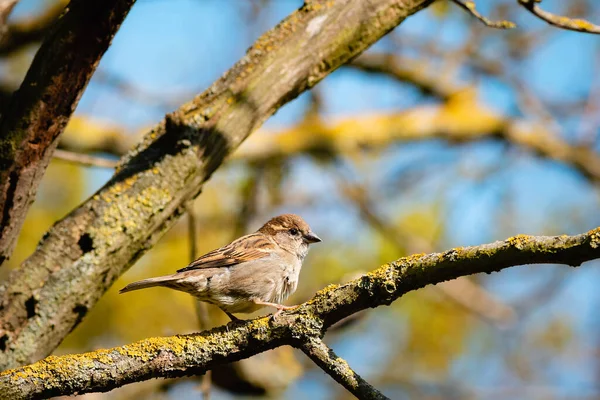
column 437, row 332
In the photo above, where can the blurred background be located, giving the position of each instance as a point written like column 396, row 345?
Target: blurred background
column 446, row 133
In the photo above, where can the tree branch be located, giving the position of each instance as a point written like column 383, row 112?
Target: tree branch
column 84, row 159
column 469, row 6
column 183, row 355
column 416, row 72
column 39, row 110
column 83, row 254
column 461, row 119
column 572, row 24
column 338, row 369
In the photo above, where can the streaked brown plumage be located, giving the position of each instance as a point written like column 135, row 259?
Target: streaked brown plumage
column 256, row 270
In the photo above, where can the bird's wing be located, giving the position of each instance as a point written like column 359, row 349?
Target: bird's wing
column 247, row 248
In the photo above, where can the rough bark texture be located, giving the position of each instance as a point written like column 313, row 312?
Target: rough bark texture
column 103, row 370
column 82, row 255
column 39, row 110
column 338, row 369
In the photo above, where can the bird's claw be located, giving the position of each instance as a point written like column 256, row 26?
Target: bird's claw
column 280, row 309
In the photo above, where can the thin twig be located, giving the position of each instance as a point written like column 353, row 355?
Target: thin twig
column 201, row 309
column 572, row 24
column 469, row 6
column 84, row 159
column 339, row 370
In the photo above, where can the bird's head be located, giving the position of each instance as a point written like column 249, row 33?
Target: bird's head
column 291, row 233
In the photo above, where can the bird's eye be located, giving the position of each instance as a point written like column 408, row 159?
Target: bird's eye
column 294, row 231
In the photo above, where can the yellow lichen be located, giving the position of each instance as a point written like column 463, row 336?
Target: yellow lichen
column 327, row 291
column 518, row 241
column 344, row 369
column 594, row 235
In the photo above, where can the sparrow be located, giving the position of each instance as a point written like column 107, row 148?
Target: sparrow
column 257, row 270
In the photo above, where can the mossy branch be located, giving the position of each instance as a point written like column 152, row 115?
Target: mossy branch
column 571, row 24
column 83, row 254
column 103, row 370
column 338, row 369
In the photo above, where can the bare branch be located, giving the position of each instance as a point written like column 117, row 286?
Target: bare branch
column 469, row 6
column 40, row 109
column 415, row 72
column 84, row 159
column 103, row 370
column 572, row 24
column 85, row 252
column 338, row 369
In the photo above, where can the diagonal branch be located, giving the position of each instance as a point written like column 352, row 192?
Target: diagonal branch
column 85, row 160
column 83, row 254
column 183, row 355
column 571, row 24
column 39, row 110
column 469, row 6
column 338, row 369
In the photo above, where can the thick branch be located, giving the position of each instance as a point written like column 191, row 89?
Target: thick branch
column 39, row 110
column 572, row 24
column 104, row 370
column 83, row 254
column 339, row 370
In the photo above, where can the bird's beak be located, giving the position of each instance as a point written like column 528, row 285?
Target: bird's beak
column 311, row 237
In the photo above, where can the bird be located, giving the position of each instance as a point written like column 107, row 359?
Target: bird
column 254, row 271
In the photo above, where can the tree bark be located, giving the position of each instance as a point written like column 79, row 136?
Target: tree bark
column 39, row 110
column 82, row 255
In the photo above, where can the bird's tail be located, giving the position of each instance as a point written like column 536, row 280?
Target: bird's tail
column 151, row 282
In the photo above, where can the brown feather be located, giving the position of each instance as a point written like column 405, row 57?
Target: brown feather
column 247, row 248
column 284, row 222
